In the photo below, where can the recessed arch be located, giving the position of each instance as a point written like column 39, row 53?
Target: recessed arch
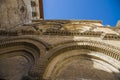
column 100, row 49
column 21, row 49
column 58, row 63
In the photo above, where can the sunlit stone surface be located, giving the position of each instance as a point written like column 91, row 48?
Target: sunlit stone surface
column 84, row 70
column 55, row 49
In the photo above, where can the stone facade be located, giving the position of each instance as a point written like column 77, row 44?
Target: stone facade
column 58, row 49
column 53, row 51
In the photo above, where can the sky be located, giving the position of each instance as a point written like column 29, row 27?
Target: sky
column 106, row 10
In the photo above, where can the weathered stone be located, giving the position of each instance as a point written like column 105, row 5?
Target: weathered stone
column 14, row 13
column 55, row 49
column 14, row 68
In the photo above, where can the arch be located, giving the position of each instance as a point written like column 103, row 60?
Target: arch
column 101, row 48
column 98, row 46
column 29, row 48
column 31, row 45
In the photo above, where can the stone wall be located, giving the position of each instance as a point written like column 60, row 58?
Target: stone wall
column 14, row 13
column 42, row 49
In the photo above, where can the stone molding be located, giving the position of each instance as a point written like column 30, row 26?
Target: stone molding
column 98, row 46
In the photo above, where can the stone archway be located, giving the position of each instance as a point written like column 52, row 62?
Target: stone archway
column 18, row 55
column 82, row 62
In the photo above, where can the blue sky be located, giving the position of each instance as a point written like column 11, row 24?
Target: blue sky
column 106, row 10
